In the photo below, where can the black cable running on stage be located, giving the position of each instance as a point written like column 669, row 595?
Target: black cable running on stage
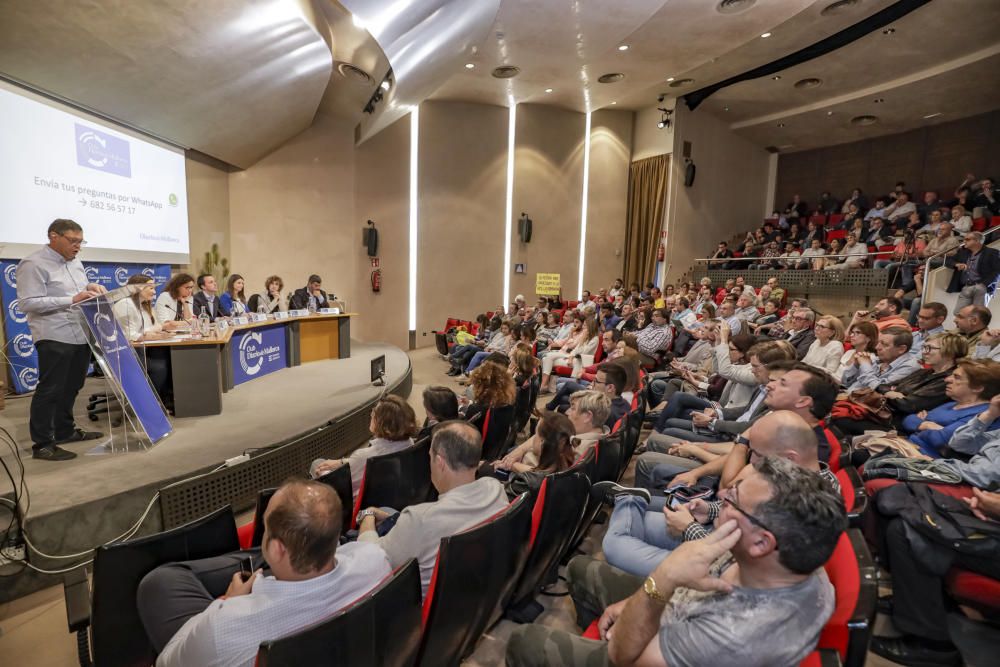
column 853, row 33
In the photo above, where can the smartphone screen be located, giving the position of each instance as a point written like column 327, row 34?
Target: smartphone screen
column 246, row 568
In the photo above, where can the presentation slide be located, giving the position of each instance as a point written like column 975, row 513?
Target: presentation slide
column 128, row 193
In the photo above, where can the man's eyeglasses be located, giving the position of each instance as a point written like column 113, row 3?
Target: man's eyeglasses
column 729, row 499
column 72, row 241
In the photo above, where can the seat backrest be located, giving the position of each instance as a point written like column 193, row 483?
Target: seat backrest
column 382, row 628
column 263, row 500
column 397, row 480
column 340, row 480
column 852, row 489
column 496, row 432
column 523, row 404
column 852, row 573
column 117, row 635
column 607, row 463
column 559, row 506
column 473, row 577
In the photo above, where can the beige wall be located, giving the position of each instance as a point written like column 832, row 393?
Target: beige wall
column 292, row 213
column 463, row 181
column 610, row 142
column 650, row 140
column 728, row 194
column 208, row 210
column 381, row 191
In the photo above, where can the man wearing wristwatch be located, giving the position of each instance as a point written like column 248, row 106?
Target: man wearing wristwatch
column 779, row 525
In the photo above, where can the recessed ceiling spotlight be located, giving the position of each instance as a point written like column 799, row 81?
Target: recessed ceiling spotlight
column 776, row 77
column 725, row 108
column 506, row 71
column 829, row 113
column 614, row 103
column 669, row 79
column 879, row 100
column 765, row 35
column 888, row 31
column 864, row 120
column 811, row 82
column 781, row 124
column 385, row 85
column 681, row 82
column 470, row 65
column 610, row 77
column 932, row 115
column 548, row 90
column 734, row 6
column 839, row 7
column 623, row 47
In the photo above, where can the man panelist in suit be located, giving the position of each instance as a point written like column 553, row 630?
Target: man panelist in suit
column 311, row 292
column 207, row 298
column 976, row 269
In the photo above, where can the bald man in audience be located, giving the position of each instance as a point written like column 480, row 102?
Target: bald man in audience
column 202, row 612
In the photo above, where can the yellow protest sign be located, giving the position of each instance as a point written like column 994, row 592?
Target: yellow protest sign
column 547, row 284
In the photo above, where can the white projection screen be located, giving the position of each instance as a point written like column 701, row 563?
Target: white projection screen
column 126, row 190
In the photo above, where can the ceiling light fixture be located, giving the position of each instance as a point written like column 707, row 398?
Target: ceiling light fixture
column 613, row 103
column 776, row 77
column 385, row 85
column 932, row 115
column 610, row 77
column 725, row 108
column 623, row 47
column 470, row 65
column 888, row 31
column 879, row 100
column 665, row 115
column 765, row 35
column 681, row 82
column 829, row 113
column 781, row 124
column 548, row 90
column 864, row 120
column 669, row 79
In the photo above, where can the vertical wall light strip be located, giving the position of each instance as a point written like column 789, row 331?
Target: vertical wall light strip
column 508, row 223
column 583, row 204
column 414, row 153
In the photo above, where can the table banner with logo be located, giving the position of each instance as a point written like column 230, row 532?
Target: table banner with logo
column 123, row 365
column 258, row 351
column 20, row 346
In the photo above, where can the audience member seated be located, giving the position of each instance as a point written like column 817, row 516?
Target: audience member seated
column 971, row 323
column 779, row 524
column 655, row 337
column 827, row 349
column 588, row 412
column 891, row 362
column 802, row 334
column 813, row 253
column 493, row 335
column 555, row 440
column 970, row 387
column 961, row 220
column 855, row 254
column 441, row 405
column 463, row 501
column 643, row 528
column 392, row 424
column 796, row 208
column 206, row 299
column 582, row 340
column 885, row 314
column 918, row 392
column 878, row 211
column 900, row 210
column 174, row 303
column 609, row 377
column 502, row 343
column 989, row 345
column 862, row 336
column 311, row 294
column 987, row 198
column 930, row 322
column 234, row 300
column 976, row 270
column 491, row 387
column 857, row 199
column 271, row 300
column 203, row 613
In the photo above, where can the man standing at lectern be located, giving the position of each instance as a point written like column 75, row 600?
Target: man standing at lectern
column 49, row 282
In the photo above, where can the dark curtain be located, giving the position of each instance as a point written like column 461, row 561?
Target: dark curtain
column 647, row 197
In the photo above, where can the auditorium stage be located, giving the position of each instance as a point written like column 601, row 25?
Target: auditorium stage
column 319, row 407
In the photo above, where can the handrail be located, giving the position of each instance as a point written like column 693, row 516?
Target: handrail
column 788, row 259
column 927, row 263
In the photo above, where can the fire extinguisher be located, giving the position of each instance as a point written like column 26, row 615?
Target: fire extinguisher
column 377, row 280
column 660, row 253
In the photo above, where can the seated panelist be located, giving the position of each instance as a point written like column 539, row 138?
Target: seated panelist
column 311, row 292
column 136, row 316
column 175, row 303
column 207, row 298
column 234, row 300
column 271, row 298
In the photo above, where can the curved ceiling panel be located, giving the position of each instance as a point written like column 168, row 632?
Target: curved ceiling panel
column 425, row 41
column 229, row 78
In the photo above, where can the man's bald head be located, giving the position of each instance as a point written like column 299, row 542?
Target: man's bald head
column 306, row 517
column 784, row 433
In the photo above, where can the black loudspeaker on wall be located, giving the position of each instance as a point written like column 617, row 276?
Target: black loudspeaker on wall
column 524, row 228
column 369, row 239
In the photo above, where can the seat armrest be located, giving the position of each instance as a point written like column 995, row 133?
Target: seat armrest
column 76, row 589
column 829, row 658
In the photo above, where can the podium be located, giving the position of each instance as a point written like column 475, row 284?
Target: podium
column 124, row 372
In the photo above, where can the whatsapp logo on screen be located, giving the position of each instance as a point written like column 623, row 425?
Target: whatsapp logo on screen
column 172, row 199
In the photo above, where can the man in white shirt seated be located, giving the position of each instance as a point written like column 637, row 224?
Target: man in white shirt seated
column 855, row 252
column 463, row 502
column 901, row 209
column 202, row 613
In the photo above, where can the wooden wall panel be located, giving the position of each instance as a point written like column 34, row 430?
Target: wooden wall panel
column 930, row 158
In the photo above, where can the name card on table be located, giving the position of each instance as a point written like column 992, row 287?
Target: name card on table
column 241, row 320
column 258, row 317
column 301, row 312
column 329, row 311
column 281, row 315
column 222, row 326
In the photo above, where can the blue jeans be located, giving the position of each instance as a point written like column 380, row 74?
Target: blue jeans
column 680, row 405
column 477, row 358
column 637, row 539
column 565, row 389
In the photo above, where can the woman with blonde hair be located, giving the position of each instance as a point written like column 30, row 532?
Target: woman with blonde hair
column 826, row 351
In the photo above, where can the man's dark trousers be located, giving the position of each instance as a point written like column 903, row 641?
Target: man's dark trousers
column 62, row 369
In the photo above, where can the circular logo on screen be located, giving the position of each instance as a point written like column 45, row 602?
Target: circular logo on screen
column 172, row 199
column 149, row 272
column 95, row 148
column 15, row 313
column 23, row 345
column 10, row 275
column 28, row 377
column 251, row 356
column 106, row 327
column 93, row 273
column 121, row 275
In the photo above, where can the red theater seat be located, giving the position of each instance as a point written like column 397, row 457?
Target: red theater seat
column 974, row 590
